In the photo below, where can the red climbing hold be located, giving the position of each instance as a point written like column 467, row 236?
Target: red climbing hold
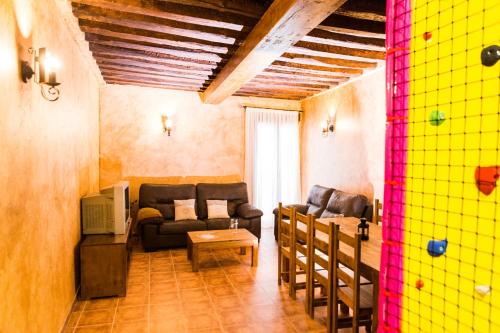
column 427, row 36
column 419, row 284
column 486, row 178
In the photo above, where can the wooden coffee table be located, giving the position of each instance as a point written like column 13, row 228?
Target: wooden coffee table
column 220, row 239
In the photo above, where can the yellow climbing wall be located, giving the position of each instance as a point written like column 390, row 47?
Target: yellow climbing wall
column 442, row 199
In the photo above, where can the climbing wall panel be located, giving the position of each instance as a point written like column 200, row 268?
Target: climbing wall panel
column 443, row 161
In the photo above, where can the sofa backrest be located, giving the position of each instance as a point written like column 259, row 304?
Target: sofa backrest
column 348, row 204
column 317, row 199
column 235, row 194
column 162, row 197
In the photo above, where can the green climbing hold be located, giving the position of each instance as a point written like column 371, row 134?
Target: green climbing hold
column 436, row 118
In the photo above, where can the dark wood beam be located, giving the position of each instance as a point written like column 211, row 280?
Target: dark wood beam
column 374, row 10
column 176, row 12
column 151, row 23
column 325, row 61
column 333, row 38
column 146, row 65
column 282, row 25
column 152, row 80
column 125, row 74
column 143, row 55
column 141, row 35
column 151, row 48
column 336, row 51
column 253, row 9
column 353, row 26
column 148, row 84
column 138, row 70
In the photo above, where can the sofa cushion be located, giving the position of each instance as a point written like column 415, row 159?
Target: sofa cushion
column 234, row 193
column 317, row 199
column 345, row 203
column 217, row 224
column 181, row 227
column 162, row 197
column 184, row 210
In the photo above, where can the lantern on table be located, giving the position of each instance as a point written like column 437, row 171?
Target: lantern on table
column 363, row 229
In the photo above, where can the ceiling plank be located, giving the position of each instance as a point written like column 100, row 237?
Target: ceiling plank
column 297, row 78
column 142, row 55
column 138, row 70
column 144, row 22
column 333, row 38
column 332, row 61
column 149, row 66
column 241, row 7
column 148, row 84
column 286, row 84
column 374, row 10
column 176, row 12
column 151, row 48
column 121, row 73
column 283, row 24
column 353, row 26
column 150, row 80
column 114, row 30
column 336, row 51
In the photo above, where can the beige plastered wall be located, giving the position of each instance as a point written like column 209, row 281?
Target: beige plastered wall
column 351, row 159
column 49, row 158
column 207, row 142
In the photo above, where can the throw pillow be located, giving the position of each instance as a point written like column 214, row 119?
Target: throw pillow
column 184, row 210
column 217, row 209
column 147, row 212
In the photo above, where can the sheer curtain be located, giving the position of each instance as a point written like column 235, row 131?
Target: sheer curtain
column 272, row 165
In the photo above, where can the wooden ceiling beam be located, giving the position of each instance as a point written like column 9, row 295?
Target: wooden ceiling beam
column 143, row 22
column 142, row 55
column 253, row 9
column 151, row 48
column 149, row 66
column 121, row 73
column 333, row 38
column 149, row 85
column 114, row 30
column 276, row 92
column 151, row 80
column 145, row 61
column 272, row 84
column 287, row 97
column 138, row 70
column 282, row 25
column 331, row 61
column 331, row 51
column 353, row 26
column 374, row 10
column 176, row 12
column 299, row 78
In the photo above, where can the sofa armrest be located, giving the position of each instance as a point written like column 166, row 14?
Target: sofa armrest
column 247, row 211
column 156, row 220
column 301, row 209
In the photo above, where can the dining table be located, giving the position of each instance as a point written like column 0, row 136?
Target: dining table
column 370, row 251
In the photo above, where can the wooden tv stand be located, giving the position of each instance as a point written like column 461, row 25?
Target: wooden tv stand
column 104, row 265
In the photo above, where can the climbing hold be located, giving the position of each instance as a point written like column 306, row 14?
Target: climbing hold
column 486, row 178
column 490, row 55
column 436, row 118
column 419, row 284
column 483, row 290
column 437, row 247
column 427, row 36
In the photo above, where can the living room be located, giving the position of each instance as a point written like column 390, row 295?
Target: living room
column 310, row 103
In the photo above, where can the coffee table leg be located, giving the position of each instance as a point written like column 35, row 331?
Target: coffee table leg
column 194, row 257
column 255, row 254
column 243, row 250
column 189, row 249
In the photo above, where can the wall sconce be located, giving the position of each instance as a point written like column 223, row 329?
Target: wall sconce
column 328, row 125
column 44, row 66
column 167, row 124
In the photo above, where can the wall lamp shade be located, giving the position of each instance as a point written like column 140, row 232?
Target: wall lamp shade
column 167, row 124
column 43, row 73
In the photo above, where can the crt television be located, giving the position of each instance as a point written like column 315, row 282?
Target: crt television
column 107, row 211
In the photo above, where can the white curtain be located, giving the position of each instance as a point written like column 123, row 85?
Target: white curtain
column 272, row 160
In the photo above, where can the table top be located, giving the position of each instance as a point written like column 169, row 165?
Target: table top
column 224, row 235
column 370, row 249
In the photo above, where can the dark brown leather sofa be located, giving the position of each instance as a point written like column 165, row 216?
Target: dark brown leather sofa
column 326, row 202
column 164, row 232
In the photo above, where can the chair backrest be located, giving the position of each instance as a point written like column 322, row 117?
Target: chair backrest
column 342, row 239
column 286, row 219
column 320, row 238
column 377, row 212
column 302, row 232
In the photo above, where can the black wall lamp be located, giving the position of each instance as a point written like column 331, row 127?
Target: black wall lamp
column 43, row 70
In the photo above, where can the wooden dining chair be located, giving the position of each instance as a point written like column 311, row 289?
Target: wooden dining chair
column 286, row 219
column 377, row 212
column 301, row 228
column 346, row 287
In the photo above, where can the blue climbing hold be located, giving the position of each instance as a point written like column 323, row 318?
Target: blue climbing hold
column 436, row 118
column 437, row 248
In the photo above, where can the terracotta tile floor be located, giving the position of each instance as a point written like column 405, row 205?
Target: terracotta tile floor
column 226, row 295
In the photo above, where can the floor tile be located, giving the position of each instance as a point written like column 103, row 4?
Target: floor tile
column 94, row 329
column 96, row 317
column 132, row 313
column 131, row 327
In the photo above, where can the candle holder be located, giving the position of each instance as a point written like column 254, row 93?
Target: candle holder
column 43, row 73
column 364, row 229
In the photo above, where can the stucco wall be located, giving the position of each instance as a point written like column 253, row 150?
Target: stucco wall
column 351, row 159
column 207, row 143
column 48, row 160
